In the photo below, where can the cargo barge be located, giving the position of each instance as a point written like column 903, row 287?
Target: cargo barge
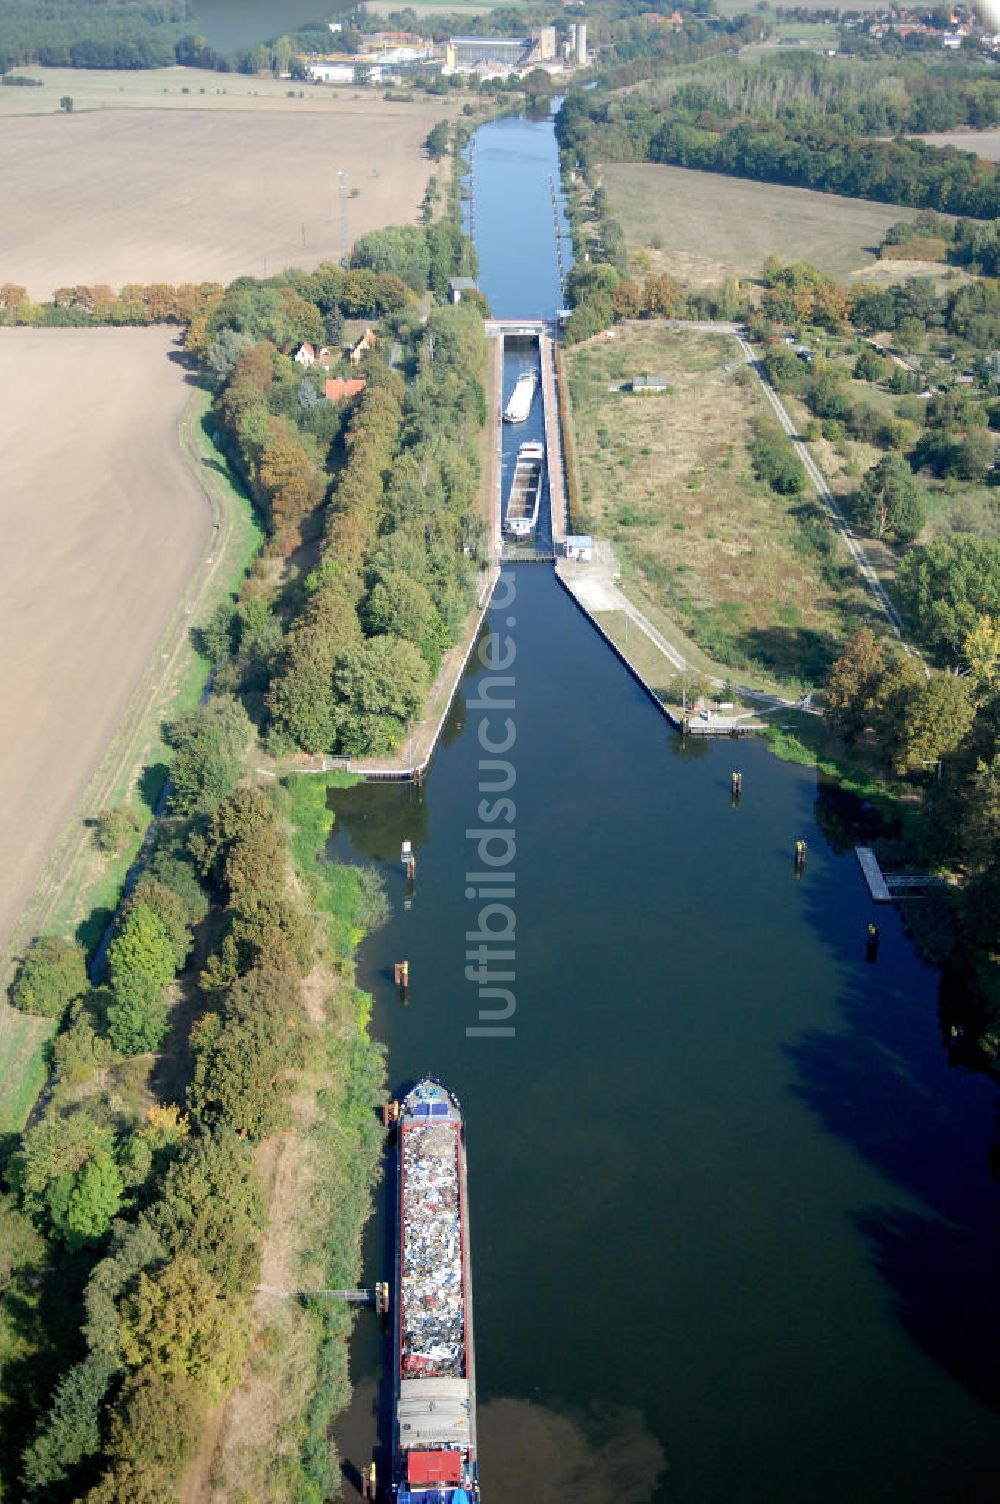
column 521, row 398
column 434, row 1440
column 525, row 490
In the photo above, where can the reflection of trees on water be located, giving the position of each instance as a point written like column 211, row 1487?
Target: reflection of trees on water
column 378, row 817
column 454, row 721
column 847, row 820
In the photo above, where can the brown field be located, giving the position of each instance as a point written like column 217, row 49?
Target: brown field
column 103, row 524
column 203, row 192
column 667, row 479
column 712, row 226
column 983, row 143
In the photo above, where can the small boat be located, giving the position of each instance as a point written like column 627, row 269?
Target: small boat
column 435, row 1458
column 521, row 398
column 525, row 490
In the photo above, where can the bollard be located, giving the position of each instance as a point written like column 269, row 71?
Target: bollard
column 871, row 944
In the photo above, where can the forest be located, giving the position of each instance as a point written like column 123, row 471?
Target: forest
column 803, row 122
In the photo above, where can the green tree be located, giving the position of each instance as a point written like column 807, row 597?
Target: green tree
column 176, row 1325
column 210, row 746
column 890, row 501
column 242, row 1060
column 169, row 908
column 212, row 1207
column 381, row 685
column 93, row 1201
column 115, row 829
column 70, row 1429
column 140, row 965
column 438, row 138
column 301, row 695
column 776, row 462
column 52, row 974
column 51, row 1155
column 403, row 607
column 979, row 814
column 936, row 717
column 945, row 588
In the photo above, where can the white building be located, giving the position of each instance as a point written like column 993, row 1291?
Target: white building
column 579, row 546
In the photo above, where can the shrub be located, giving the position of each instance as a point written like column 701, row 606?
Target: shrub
column 115, row 829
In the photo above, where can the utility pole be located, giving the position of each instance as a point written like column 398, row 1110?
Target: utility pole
column 342, row 189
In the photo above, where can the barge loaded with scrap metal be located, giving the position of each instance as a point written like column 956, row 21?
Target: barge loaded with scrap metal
column 525, row 490
column 434, row 1440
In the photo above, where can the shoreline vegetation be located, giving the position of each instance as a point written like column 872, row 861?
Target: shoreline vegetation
column 208, row 1134
column 890, row 384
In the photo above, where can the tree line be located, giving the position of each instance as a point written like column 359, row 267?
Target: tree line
column 126, row 34
column 757, row 128
column 940, row 735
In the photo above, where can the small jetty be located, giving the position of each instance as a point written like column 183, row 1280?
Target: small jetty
column 877, row 885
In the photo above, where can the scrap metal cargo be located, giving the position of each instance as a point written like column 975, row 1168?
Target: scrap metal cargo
column 435, row 1421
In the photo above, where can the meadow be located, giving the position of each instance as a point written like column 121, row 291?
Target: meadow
column 755, row 578
column 703, row 226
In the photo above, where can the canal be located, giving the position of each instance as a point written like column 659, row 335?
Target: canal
column 734, row 1227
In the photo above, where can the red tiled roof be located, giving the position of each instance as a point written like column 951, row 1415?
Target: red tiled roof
column 338, row 387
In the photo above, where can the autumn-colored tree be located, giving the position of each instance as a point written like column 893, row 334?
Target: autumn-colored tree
column 290, row 481
column 661, row 296
column 853, row 687
column 981, row 656
column 15, row 305
column 627, row 300
column 153, row 1431
column 239, row 816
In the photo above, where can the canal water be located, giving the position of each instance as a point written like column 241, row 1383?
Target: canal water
column 734, row 1230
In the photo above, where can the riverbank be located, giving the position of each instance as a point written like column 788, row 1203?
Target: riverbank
column 270, row 1438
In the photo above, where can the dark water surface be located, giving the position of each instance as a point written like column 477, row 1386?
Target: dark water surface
column 735, row 1236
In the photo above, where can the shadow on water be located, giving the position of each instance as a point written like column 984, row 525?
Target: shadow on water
column 887, row 1084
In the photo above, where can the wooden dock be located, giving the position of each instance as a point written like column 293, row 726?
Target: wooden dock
column 877, row 885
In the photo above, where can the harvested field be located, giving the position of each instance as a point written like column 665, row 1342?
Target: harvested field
column 710, row 226
column 984, row 143
column 103, row 525
column 213, row 192
column 667, row 479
